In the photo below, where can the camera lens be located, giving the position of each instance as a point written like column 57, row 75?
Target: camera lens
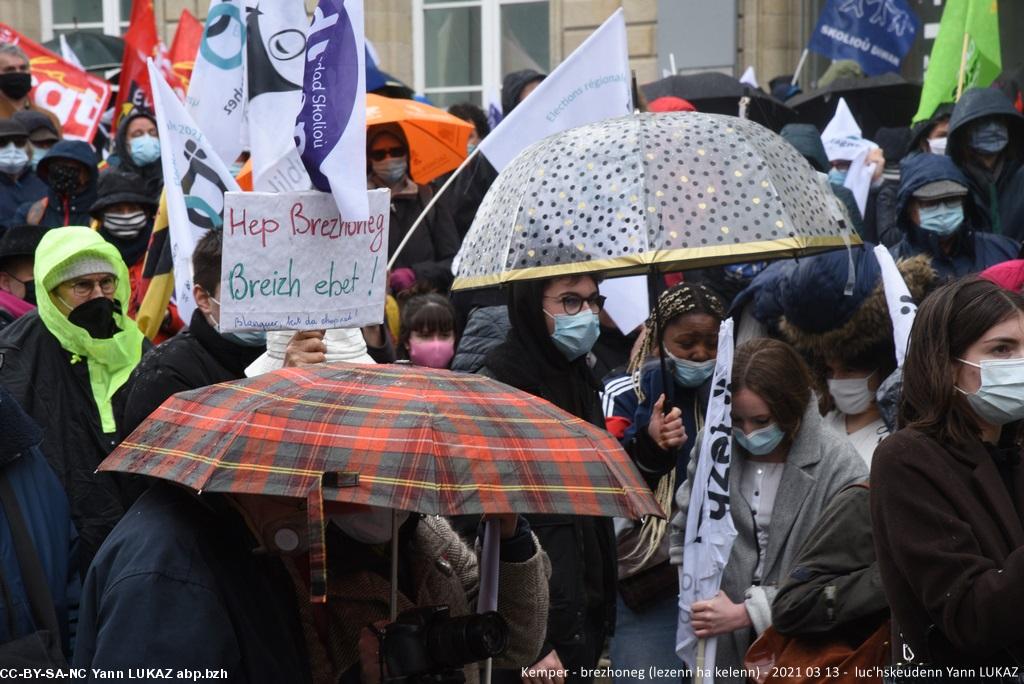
column 459, row 641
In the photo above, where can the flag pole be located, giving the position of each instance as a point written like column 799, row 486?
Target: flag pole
column 430, row 205
column 963, row 66
column 698, row 675
column 799, row 67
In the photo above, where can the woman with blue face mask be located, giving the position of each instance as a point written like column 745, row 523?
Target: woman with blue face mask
column 656, row 422
column 786, row 467
column 554, row 324
column 137, row 150
column 948, row 488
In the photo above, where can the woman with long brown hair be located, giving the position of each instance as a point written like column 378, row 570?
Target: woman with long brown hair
column 948, row 490
column 786, row 467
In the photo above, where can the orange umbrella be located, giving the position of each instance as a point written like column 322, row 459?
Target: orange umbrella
column 437, row 140
column 244, row 176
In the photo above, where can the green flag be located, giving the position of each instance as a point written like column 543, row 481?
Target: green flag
column 979, row 20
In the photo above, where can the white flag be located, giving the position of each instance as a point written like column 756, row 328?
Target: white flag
column 275, row 35
column 216, row 91
column 67, row 54
column 331, row 126
column 843, row 140
column 195, row 180
column 749, row 77
column 709, row 527
column 902, row 308
column 592, row 84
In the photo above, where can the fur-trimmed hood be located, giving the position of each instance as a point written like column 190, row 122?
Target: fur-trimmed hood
column 861, row 324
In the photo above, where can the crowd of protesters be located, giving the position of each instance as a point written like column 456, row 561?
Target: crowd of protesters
column 111, row 571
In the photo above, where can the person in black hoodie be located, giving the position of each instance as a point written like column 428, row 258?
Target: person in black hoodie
column 986, row 140
column 125, row 216
column 554, row 326
column 196, row 358
column 137, row 150
column 69, row 171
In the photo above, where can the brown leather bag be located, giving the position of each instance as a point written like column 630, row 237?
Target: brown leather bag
column 824, row 659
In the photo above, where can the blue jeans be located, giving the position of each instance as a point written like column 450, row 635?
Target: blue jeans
column 644, row 639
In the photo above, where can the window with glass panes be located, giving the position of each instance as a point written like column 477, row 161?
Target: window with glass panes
column 98, row 16
column 462, row 48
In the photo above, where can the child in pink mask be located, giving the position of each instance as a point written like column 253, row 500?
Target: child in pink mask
column 427, row 335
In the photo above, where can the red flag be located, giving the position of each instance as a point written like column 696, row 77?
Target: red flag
column 77, row 98
column 185, row 46
column 141, row 42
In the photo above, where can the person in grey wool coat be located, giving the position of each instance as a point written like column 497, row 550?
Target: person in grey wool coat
column 786, row 467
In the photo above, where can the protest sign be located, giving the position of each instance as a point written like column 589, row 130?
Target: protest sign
column 292, row 262
column 77, row 98
column 876, row 34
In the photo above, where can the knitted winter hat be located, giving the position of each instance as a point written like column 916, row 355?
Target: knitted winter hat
column 77, row 266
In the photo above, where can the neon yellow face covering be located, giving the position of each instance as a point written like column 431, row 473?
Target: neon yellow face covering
column 112, row 360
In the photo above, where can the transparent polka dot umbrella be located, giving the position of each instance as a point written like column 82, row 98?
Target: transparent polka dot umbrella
column 650, row 191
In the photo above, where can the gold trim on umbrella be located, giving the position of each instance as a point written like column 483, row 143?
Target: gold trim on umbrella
column 666, row 260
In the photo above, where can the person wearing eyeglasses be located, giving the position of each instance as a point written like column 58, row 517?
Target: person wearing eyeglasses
column 427, row 258
column 547, row 353
column 65, row 364
column 935, row 210
column 18, row 183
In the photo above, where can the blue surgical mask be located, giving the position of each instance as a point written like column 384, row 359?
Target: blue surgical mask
column 469, row 148
column 235, row 169
column 575, row 334
column 836, row 176
column 144, row 149
column 942, row 219
column 760, row 442
column 1000, row 399
column 989, row 137
column 691, row 373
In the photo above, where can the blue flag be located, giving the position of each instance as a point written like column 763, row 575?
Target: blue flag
column 876, row 34
column 331, row 126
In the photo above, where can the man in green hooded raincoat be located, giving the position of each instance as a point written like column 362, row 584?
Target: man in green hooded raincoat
column 65, row 363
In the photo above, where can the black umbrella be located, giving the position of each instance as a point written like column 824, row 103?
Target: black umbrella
column 716, row 93
column 96, row 51
column 888, row 101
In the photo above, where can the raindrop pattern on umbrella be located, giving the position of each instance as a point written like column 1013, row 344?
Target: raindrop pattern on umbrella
column 624, row 191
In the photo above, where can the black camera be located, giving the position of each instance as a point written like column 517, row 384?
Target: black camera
column 428, row 645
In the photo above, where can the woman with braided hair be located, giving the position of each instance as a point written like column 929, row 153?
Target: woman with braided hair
column 656, row 422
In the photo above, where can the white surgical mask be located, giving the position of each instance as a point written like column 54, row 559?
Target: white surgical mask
column 1000, row 399
column 851, row 396
column 13, row 159
column 937, row 145
column 370, row 527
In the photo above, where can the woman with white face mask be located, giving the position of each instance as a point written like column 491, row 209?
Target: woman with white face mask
column 786, row 467
column 852, row 391
column 948, row 488
column 427, row 258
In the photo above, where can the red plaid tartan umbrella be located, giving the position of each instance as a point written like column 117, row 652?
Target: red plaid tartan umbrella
column 400, row 437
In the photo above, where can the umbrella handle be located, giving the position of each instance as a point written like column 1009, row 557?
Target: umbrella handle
column 393, row 613
column 487, row 600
